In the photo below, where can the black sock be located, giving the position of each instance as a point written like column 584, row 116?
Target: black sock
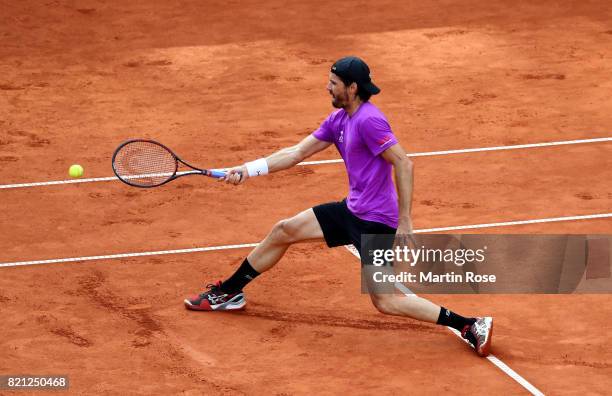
column 451, row 319
column 240, row 279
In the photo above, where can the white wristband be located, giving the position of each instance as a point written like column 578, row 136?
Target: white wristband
column 257, row 168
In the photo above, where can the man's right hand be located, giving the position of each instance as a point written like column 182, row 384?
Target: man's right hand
column 236, row 175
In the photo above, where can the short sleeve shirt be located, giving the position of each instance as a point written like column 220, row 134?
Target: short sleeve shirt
column 360, row 139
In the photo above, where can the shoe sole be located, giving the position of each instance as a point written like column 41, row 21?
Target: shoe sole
column 485, row 349
column 235, row 304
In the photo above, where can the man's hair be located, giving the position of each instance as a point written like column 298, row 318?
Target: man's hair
column 362, row 93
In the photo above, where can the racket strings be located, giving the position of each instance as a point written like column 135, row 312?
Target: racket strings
column 144, row 164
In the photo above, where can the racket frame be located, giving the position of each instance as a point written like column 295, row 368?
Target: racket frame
column 175, row 175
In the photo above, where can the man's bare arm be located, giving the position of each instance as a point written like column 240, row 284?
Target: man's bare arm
column 291, row 156
column 282, row 159
column 404, row 175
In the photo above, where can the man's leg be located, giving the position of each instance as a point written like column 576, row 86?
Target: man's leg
column 227, row 295
column 478, row 331
column 388, row 302
column 301, row 227
column 413, row 306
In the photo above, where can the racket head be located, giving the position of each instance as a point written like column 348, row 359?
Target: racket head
column 144, row 163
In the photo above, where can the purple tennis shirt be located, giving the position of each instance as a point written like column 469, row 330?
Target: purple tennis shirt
column 360, row 139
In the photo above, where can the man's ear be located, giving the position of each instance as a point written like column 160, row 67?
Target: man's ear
column 353, row 87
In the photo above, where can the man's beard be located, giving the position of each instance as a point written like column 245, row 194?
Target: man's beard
column 337, row 103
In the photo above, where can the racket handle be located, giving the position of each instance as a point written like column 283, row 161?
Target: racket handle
column 217, row 174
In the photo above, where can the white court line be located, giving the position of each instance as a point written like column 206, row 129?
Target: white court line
column 224, row 247
column 336, row 161
column 126, row 255
column 519, row 222
column 90, row 180
column 492, row 358
column 513, row 147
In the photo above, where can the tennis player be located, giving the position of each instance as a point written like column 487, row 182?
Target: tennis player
column 371, row 153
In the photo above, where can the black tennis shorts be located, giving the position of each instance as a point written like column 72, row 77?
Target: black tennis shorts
column 341, row 227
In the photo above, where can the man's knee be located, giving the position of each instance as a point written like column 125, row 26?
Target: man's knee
column 303, row 226
column 285, row 231
column 385, row 303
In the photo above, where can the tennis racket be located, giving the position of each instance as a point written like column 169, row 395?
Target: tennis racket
column 147, row 163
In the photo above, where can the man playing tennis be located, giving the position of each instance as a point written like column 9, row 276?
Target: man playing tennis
column 371, row 154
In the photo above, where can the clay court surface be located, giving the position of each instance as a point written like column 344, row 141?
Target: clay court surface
column 225, row 82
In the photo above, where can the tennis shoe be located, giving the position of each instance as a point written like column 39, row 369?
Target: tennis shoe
column 479, row 335
column 215, row 299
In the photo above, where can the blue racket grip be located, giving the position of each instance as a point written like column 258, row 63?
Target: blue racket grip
column 217, row 174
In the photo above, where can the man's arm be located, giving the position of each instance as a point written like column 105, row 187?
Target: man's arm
column 282, row 159
column 291, row 156
column 404, row 174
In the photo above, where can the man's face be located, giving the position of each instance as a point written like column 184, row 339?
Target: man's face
column 338, row 91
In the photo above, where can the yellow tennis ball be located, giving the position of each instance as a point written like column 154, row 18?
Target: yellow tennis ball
column 75, row 171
